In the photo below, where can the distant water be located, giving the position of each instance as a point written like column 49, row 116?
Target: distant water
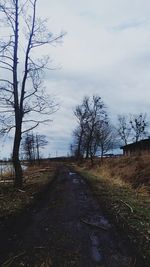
column 8, row 168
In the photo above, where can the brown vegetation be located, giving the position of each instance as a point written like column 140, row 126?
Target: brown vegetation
column 36, row 179
column 132, row 170
column 121, row 185
column 135, row 170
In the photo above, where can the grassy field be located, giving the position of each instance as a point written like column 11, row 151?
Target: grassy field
column 125, row 203
column 36, row 179
column 134, row 170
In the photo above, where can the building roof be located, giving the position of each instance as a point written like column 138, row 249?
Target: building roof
column 139, row 143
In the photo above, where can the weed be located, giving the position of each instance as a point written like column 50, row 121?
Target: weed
column 129, row 208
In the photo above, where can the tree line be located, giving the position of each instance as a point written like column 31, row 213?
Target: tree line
column 31, row 147
column 96, row 135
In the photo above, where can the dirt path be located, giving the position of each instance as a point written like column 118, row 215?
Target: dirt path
column 66, row 229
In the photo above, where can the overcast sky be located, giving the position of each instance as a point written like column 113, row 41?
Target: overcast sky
column 106, row 51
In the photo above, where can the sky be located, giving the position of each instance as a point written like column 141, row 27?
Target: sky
column 106, row 51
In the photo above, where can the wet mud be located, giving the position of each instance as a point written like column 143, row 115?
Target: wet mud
column 66, row 229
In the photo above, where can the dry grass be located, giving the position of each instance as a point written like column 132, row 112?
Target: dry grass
column 42, row 260
column 128, row 207
column 133, row 170
column 35, row 180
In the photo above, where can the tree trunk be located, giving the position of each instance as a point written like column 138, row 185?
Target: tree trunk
column 88, row 145
column 79, row 148
column 16, row 162
column 18, row 111
column 92, row 160
column 87, row 150
column 37, row 150
column 101, row 158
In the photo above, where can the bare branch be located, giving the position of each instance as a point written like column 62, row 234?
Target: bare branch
column 9, row 15
column 22, row 90
column 6, row 57
column 7, row 111
column 6, row 130
column 29, row 95
column 5, row 89
column 27, row 57
column 36, row 124
column 39, row 121
column 30, row 129
column 5, row 68
column 7, row 81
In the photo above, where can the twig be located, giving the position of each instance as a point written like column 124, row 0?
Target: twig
column 94, row 224
column 131, row 209
column 9, row 261
column 22, row 191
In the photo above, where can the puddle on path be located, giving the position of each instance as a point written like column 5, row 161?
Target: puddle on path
column 75, row 181
column 96, row 254
column 72, row 173
column 82, row 181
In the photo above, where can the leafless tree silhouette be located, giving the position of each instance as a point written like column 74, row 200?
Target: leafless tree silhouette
column 22, row 94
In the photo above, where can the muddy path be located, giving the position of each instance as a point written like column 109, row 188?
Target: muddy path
column 66, row 229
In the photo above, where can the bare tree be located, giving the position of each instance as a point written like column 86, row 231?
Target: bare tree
column 96, row 115
column 77, row 145
column 21, row 89
column 82, row 114
column 106, row 138
column 132, row 127
column 32, row 145
column 28, row 147
column 124, row 129
column 139, row 126
column 40, row 143
column 90, row 116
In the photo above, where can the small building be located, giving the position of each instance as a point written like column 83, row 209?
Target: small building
column 137, row 148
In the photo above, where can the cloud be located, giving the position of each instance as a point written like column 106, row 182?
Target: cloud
column 106, row 51
column 131, row 24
